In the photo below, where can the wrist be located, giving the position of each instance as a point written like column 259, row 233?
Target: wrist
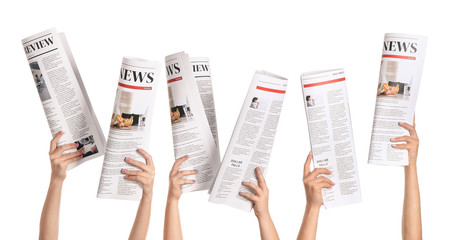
column 313, row 207
column 262, row 214
column 147, row 197
column 56, row 180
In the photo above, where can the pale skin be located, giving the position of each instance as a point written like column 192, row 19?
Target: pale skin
column 172, row 223
column 146, row 177
column 260, row 199
column 49, row 224
column 411, row 220
column 313, row 189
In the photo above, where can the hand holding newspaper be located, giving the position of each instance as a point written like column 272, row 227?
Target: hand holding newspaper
column 398, row 88
column 192, row 114
column 331, row 135
column 252, row 140
column 130, row 127
column 62, row 93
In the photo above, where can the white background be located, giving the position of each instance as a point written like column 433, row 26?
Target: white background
column 239, row 37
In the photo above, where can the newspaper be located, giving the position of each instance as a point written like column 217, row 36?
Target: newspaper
column 331, row 135
column 252, row 140
column 62, row 93
column 398, row 87
column 130, row 127
column 192, row 134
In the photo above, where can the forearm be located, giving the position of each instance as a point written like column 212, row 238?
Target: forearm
column 411, row 221
column 172, row 224
column 267, row 228
column 141, row 223
column 49, row 224
column 309, row 225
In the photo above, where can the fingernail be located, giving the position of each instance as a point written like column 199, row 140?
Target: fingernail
column 392, row 139
column 195, row 170
column 139, row 149
column 126, row 177
column 124, row 170
column 127, row 159
column 76, row 144
column 60, row 132
column 185, row 156
column 332, row 183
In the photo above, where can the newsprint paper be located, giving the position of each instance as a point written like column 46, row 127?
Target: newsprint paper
column 400, row 73
column 252, row 140
column 62, row 93
column 331, row 135
column 192, row 115
column 129, row 128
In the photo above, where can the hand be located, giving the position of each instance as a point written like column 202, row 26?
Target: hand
column 314, row 184
column 146, row 176
column 176, row 179
column 412, row 142
column 60, row 161
column 261, row 197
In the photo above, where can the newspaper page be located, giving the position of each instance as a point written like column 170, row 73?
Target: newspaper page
column 191, row 133
column 130, row 127
column 62, row 93
column 252, row 140
column 202, row 76
column 331, row 136
column 400, row 73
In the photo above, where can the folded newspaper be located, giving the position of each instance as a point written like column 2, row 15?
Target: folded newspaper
column 398, row 87
column 62, row 93
column 331, row 135
column 193, row 118
column 129, row 128
column 252, row 140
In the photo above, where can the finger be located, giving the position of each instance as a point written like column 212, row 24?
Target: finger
column 59, row 151
column 148, row 158
column 253, row 187
column 71, row 155
column 184, row 173
column 136, row 178
column 318, row 171
column 401, row 146
column 324, row 179
column 187, row 181
column 249, row 196
column 411, row 129
column 74, row 159
column 307, row 167
column 401, row 139
column 324, row 185
column 138, row 164
column 133, row 173
column 177, row 164
column 260, row 177
column 54, row 141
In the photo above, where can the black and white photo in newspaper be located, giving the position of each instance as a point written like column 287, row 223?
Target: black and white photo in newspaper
column 62, row 93
column 129, row 127
column 398, row 87
column 331, row 135
column 191, row 132
column 251, row 144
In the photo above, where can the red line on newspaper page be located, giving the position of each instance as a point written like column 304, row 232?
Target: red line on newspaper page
column 270, row 90
column 399, row 56
column 323, row 83
column 174, row 79
column 134, row 87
